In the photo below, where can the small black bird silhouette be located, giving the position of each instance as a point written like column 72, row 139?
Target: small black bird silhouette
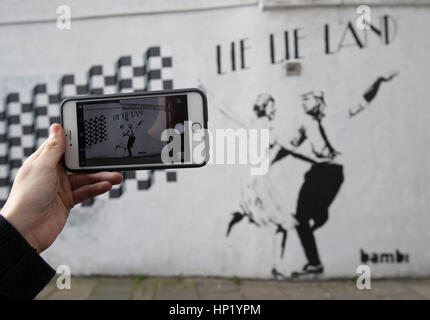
column 237, row 216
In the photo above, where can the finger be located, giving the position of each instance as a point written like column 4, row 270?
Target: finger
column 79, row 180
column 89, row 191
column 37, row 153
column 53, row 149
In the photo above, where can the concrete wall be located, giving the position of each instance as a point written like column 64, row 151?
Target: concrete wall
column 174, row 223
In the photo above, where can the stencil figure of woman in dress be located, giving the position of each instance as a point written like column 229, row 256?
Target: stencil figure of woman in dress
column 259, row 202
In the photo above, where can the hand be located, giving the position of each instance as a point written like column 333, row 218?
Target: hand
column 297, row 141
column 43, row 193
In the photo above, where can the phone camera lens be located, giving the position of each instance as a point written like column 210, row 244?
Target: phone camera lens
column 180, row 128
column 196, row 127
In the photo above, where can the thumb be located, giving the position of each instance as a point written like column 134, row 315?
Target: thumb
column 54, row 147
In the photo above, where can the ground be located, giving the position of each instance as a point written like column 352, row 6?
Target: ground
column 152, row 288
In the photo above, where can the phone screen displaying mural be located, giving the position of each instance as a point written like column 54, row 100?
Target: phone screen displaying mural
column 127, row 131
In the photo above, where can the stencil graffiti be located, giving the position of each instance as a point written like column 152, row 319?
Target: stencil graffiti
column 95, row 130
column 127, row 133
column 370, row 93
column 322, row 182
column 260, row 205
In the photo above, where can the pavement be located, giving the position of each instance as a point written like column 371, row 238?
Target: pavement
column 190, row 288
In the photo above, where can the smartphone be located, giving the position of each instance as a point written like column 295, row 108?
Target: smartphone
column 148, row 130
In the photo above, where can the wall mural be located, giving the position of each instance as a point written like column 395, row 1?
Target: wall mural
column 312, row 155
column 260, row 206
column 321, row 182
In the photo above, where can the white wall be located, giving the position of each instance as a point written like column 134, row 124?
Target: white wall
column 179, row 228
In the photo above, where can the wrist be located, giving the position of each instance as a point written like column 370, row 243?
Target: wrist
column 13, row 219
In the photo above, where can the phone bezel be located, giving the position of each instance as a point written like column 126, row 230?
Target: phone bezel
column 74, row 141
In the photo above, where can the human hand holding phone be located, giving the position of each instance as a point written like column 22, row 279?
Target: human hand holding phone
column 43, row 193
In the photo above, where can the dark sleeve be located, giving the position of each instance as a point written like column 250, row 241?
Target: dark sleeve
column 23, row 273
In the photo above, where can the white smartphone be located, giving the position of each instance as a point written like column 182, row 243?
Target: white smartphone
column 148, row 130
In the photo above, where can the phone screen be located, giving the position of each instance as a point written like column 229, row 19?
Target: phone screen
column 128, row 131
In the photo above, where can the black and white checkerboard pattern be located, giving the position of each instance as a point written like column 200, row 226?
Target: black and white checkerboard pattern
column 25, row 117
column 95, row 130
